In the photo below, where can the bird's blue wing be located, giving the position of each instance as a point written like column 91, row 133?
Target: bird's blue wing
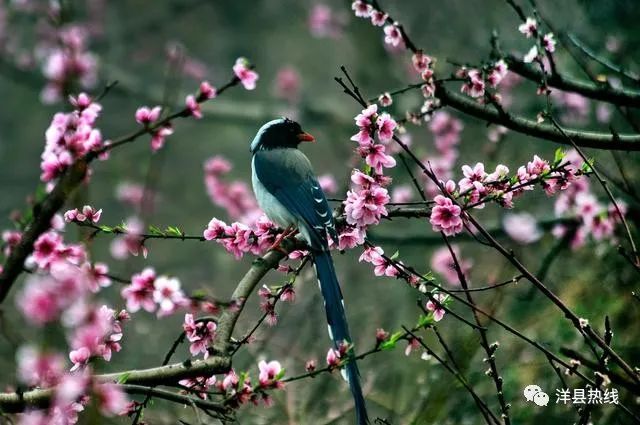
column 288, row 176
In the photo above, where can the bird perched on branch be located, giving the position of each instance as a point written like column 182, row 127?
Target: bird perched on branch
column 288, row 192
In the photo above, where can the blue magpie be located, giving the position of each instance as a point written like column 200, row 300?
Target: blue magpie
column 290, row 195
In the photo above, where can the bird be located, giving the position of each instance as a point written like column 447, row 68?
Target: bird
column 289, row 194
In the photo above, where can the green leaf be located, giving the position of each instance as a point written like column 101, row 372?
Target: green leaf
column 559, row 156
column 280, row 375
column 122, row 379
column 172, row 230
column 395, row 255
column 155, row 230
column 425, row 320
column 106, row 229
column 390, row 344
column 429, row 276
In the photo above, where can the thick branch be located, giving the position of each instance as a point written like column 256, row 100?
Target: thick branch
column 589, row 139
column 258, row 270
column 603, row 92
column 42, row 215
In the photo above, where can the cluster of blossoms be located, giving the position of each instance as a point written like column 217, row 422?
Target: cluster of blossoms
column 154, row 293
column 131, row 242
column 269, row 297
column 530, row 29
column 365, row 202
column 70, row 136
column 239, row 238
column 446, row 130
column 476, row 80
column 381, row 267
column 70, row 278
column 235, row 196
column 237, row 388
column 364, row 206
column 97, row 333
column 200, row 334
column 478, row 186
column 67, row 62
column 59, row 289
column 594, row 218
column 71, row 391
column 87, row 214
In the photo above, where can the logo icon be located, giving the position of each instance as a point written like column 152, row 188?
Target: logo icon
column 533, row 393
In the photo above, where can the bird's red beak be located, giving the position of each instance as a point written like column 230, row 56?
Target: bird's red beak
column 306, row 137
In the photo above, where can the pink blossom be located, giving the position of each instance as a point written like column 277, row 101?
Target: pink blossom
column 207, row 91
column 549, row 43
column 159, row 136
column 79, row 358
column 378, row 18
column 168, row 295
column 381, row 267
column 215, row 229
column 438, row 312
column 310, row 365
column 474, row 86
column 11, row 239
column 385, row 100
column 381, row 335
column 139, row 294
column 130, row 193
column 421, row 62
column 522, row 228
column 47, row 249
column 376, row 157
column 412, row 344
column 38, row 301
column 333, row 357
column 471, row 176
column 393, row 36
column 351, row 238
column 497, row 74
column 193, row 106
column 443, row 264
column 386, row 125
column 199, row 385
column 146, row 115
column 361, row 9
column 529, row 28
column 200, row 335
column 288, row 83
column 445, row 216
column 402, row 194
column 97, row 275
column 111, row 399
column 366, row 206
column 230, row 380
column 235, row 197
column 323, row 23
column 269, row 373
column 37, row 368
column 245, row 74
column 328, row 183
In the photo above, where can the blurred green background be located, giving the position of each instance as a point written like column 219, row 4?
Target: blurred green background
column 132, row 47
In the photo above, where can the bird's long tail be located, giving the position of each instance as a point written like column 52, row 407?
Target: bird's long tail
column 339, row 329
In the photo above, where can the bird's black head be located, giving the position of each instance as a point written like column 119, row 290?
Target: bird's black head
column 280, row 133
